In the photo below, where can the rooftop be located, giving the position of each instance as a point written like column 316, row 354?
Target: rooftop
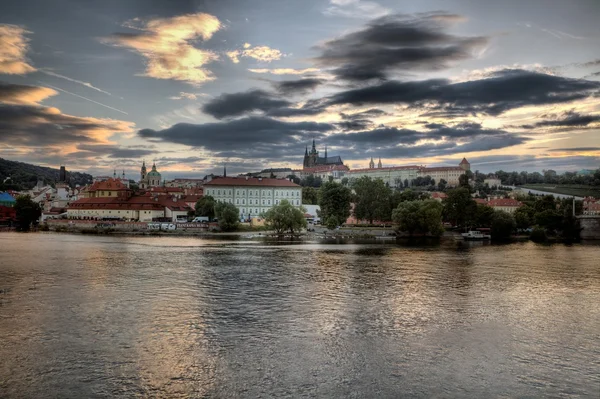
column 250, row 181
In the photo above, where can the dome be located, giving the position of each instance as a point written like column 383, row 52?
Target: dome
column 153, row 174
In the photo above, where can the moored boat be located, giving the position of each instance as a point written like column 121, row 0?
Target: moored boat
column 476, row 235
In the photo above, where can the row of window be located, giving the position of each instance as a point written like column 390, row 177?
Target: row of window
column 286, row 193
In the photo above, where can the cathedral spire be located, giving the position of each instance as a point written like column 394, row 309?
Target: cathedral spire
column 379, row 164
column 225, row 170
column 114, row 174
column 314, row 148
column 372, row 164
column 306, row 151
column 326, row 153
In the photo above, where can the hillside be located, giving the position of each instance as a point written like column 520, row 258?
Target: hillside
column 25, row 176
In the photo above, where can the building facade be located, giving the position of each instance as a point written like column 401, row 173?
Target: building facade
column 394, row 176
column 253, row 195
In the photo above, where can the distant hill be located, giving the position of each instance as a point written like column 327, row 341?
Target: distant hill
column 24, row 176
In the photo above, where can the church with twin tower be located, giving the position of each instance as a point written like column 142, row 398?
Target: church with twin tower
column 312, row 158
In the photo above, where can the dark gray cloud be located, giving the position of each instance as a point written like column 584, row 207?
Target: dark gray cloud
column 246, row 134
column 113, row 151
column 567, row 119
column 236, row 104
column 266, row 138
column 298, row 86
column 370, row 113
column 243, row 103
column 355, row 124
column 503, row 90
column 397, row 43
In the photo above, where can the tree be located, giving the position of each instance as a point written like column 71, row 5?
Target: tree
column 503, row 224
column 334, row 201
column 524, row 217
column 551, row 220
column 484, row 215
column 206, row 207
column 442, row 184
column 372, row 199
column 228, row 215
column 459, row 207
column 28, row 212
column 345, row 181
column 310, row 195
column 423, row 217
column 463, row 181
column 311, row 181
column 285, row 217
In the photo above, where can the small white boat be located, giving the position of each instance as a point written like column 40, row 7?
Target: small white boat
column 476, row 235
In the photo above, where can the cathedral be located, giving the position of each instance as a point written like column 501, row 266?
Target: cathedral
column 150, row 179
column 312, row 158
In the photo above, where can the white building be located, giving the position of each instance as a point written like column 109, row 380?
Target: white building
column 492, row 181
column 394, row 176
column 253, row 195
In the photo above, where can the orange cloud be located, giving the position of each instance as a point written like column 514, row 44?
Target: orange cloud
column 24, row 95
column 166, row 43
column 13, row 48
column 260, row 53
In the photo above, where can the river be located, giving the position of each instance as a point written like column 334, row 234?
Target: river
column 97, row 317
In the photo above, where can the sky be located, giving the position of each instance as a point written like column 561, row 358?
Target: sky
column 193, row 85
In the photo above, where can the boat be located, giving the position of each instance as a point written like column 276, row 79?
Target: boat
column 476, row 235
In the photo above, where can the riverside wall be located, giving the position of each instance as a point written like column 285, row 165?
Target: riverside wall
column 590, row 226
column 80, row 225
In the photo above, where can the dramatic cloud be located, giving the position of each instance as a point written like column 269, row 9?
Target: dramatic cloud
column 24, row 95
column 397, row 43
column 114, row 151
column 370, row 113
column 243, row 138
column 300, row 86
column 285, row 71
column 13, row 49
column 23, row 123
column 259, row 53
column 503, row 91
column 167, row 45
column 237, row 104
column 567, row 119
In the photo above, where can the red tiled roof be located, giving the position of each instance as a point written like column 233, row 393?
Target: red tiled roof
column 438, row 195
column 250, row 181
column 481, row 201
column 166, row 189
column 408, row 167
column 108, row 184
column 464, row 161
column 504, row 202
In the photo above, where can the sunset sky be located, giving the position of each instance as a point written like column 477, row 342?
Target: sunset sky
column 192, row 85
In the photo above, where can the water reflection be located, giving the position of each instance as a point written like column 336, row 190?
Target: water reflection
column 180, row 317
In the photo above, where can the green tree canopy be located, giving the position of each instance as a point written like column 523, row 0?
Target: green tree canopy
column 424, row 217
column 228, row 215
column 459, row 207
column 334, row 201
column 372, row 200
column 442, row 184
column 524, row 217
column 503, row 224
column 484, row 215
column 206, row 207
column 285, row 217
column 310, row 195
column 28, row 212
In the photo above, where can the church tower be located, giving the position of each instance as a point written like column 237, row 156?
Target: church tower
column 371, row 164
column 379, row 166
column 306, row 157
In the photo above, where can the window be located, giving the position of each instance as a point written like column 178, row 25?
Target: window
column 237, row 201
column 219, row 192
